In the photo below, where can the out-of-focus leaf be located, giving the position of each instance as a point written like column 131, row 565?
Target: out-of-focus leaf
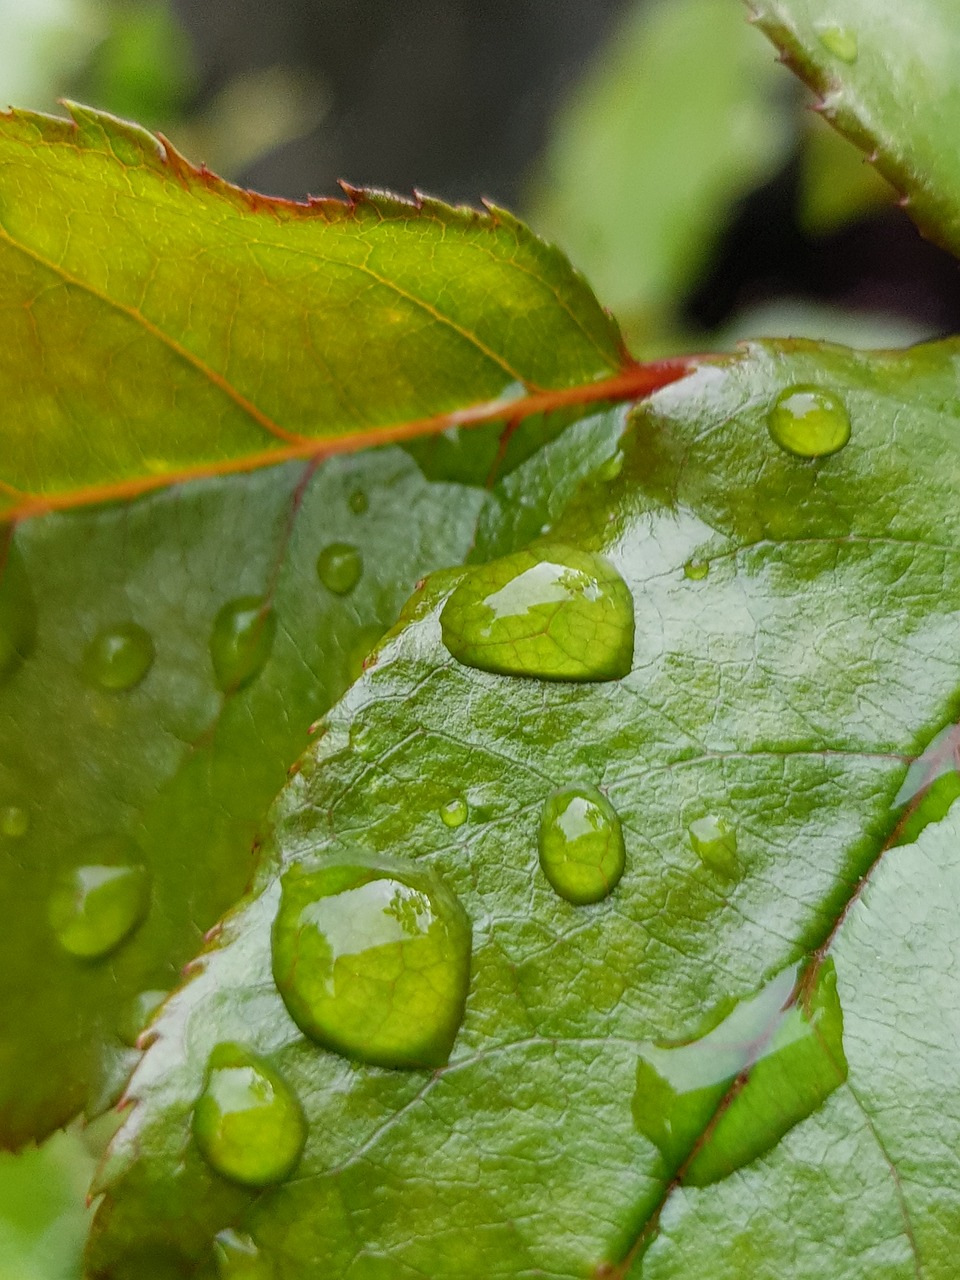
column 42, row 1217
column 44, row 44
column 793, row 653
column 681, row 115
column 836, row 182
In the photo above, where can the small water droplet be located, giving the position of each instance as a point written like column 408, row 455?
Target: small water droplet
column 358, row 502
column 556, row 613
column 809, row 422
column 840, row 41
column 455, row 812
column 98, row 904
column 612, row 468
column 714, row 842
column 372, row 959
column 14, row 821
column 18, row 611
column 138, row 1013
column 247, row 1122
column 581, row 844
column 241, row 641
column 339, row 567
column 238, row 1257
column 119, row 657
column 696, row 570
column 793, row 1050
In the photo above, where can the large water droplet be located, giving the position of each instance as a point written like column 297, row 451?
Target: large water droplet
column 339, row 567
column 98, row 904
column 138, row 1013
column 809, row 422
column 247, row 1122
column 14, row 821
column 242, row 638
column 840, row 41
column 793, row 1051
column 581, row 844
column 238, row 1258
column 715, row 843
column 696, row 570
column 555, row 613
column 455, row 812
column 119, row 657
column 372, row 959
column 18, row 612
column 358, row 502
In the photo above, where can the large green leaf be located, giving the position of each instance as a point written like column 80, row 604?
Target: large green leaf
column 887, row 78
column 794, row 650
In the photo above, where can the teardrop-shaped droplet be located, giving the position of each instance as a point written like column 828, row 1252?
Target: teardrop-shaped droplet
column 238, row 1257
column 138, row 1013
column 358, row 502
column 555, row 613
column 792, row 1045
column 14, row 821
column 581, row 844
column 18, row 611
column 839, row 40
column 247, row 1122
column 119, row 657
column 372, row 959
column 98, row 904
column 339, row 567
column 714, row 841
column 242, row 638
column 454, row 812
column 696, row 570
column 809, row 422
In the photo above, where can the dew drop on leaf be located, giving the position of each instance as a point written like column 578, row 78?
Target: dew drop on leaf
column 339, row 567
column 99, row 902
column 454, row 813
column 138, row 1013
column 581, row 844
column 247, row 1122
column 553, row 613
column 714, row 842
column 809, row 422
column 119, row 657
column 696, row 570
column 18, row 611
column 238, row 1257
column 793, row 1051
column 358, row 502
column 14, row 821
column 839, row 40
column 241, row 641
column 372, row 959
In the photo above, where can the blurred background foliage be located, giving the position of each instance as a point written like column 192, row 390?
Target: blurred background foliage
column 656, row 140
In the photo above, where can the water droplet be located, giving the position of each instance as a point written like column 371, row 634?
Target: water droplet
column 358, row 502
column 840, row 41
column 18, row 612
column 339, row 567
column 119, row 657
column 809, row 422
column 612, row 468
column 696, row 570
column 100, row 902
column 555, row 613
column 14, row 821
column 138, row 1013
column 238, row 1257
column 247, row 1122
column 581, row 844
column 715, row 843
column 242, row 638
column 793, row 1050
column 372, row 959
column 455, row 812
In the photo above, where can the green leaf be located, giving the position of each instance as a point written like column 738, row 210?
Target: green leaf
column 144, row 297
column 886, row 76
column 682, row 114
column 782, row 694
